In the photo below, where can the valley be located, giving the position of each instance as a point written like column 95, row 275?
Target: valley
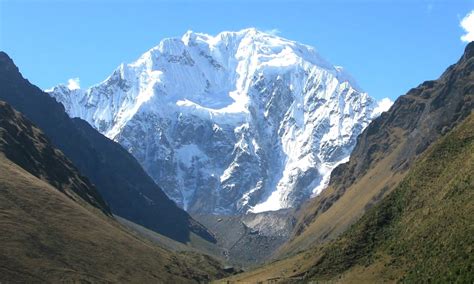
column 396, row 211
column 55, row 227
column 240, row 157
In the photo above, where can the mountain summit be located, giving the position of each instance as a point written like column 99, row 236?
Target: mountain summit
column 237, row 122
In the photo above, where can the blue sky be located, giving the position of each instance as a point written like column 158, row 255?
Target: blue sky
column 388, row 46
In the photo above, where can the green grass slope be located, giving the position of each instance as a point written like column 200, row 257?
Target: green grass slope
column 384, row 152
column 422, row 231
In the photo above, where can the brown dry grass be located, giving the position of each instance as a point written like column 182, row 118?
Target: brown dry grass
column 374, row 185
column 47, row 237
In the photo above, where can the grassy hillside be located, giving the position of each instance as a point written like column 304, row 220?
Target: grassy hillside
column 48, row 237
column 422, row 231
column 27, row 146
column 385, row 151
column 54, row 227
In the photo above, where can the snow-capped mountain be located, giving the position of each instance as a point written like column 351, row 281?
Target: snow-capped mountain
column 237, row 122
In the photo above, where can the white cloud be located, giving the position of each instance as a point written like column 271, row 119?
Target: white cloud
column 273, row 32
column 73, row 84
column 382, row 106
column 467, row 23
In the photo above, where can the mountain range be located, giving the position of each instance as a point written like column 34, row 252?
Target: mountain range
column 289, row 169
column 228, row 124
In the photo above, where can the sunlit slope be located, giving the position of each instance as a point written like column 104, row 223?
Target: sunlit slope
column 385, row 151
column 423, row 230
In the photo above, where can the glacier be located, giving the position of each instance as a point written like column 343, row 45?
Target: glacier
column 238, row 122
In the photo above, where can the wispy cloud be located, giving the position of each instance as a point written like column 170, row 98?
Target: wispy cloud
column 73, row 84
column 467, row 23
column 272, row 32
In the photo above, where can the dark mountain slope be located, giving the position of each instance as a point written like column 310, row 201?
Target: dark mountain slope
column 55, row 228
column 385, row 151
column 123, row 184
column 421, row 232
column 25, row 144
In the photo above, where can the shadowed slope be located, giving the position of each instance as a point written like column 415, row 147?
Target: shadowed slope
column 25, row 144
column 123, row 184
column 55, row 227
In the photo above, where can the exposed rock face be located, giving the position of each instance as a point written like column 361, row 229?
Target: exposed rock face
column 250, row 239
column 243, row 121
column 419, row 117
